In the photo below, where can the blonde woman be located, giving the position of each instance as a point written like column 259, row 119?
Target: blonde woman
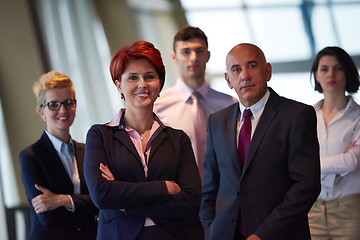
column 52, row 168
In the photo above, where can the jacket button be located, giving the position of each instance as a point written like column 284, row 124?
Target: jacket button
column 233, row 221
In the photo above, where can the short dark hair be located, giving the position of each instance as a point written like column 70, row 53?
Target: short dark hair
column 137, row 50
column 351, row 72
column 188, row 33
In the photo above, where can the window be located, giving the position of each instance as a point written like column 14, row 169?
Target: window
column 290, row 32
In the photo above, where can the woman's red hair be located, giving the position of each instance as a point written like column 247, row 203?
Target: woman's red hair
column 138, row 50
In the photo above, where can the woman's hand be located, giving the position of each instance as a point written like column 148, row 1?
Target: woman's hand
column 48, row 201
column 253, row 237
column 352, row 145
column 172, row 187
column 106, row 172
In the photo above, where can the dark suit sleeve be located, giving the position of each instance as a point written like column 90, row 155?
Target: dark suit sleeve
column 304, row 171
column 210, row 182
column 115, row 194
column 185, row 203
column 34, row 172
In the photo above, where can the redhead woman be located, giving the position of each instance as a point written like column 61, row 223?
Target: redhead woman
column 52, row 168
column 336, row 213
column 141, row 174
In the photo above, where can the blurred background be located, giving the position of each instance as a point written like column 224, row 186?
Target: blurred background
column 78, row 38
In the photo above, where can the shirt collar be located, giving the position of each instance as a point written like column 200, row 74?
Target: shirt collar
column 156, row 128
column 350, row 105
column 257, row 108
column 318, row 105
column 185, row 91
column 59, row 145
column 119, row 120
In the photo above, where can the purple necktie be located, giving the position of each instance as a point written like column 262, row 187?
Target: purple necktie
column 199, row 120
column 244, row 138
column 243, row 145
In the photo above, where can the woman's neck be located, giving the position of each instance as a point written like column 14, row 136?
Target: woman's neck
column 334, row 102
column 140, row 121
column 62, row 135
column 332, row 105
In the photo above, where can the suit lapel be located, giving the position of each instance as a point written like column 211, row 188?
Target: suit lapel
column 157, row 141
column 79, row 155
column 230, row 141
column 122, row 136
column 48, row 155
column 264, row 123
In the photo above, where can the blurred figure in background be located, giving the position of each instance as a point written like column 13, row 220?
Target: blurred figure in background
column 188, row 104
column 52, row 168
column 336, row 214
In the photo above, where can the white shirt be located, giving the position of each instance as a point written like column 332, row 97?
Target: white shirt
column 340, row 172
column 174, row 106
column 256, row 110
column 66, row 153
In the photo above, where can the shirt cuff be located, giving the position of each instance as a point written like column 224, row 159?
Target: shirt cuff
column 72, row 209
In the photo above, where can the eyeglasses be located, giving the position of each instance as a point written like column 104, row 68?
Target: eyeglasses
column 56, row 105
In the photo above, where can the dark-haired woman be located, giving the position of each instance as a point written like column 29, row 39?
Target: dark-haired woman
column 336, row 213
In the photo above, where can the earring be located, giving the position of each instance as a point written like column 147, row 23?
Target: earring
column 44, row 119
column 122, row 96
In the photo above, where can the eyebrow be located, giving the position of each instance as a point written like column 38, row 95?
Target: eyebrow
column 196, row 48
column 325, row 65
column 234, row 66
column 247, row 63
column 144, row 73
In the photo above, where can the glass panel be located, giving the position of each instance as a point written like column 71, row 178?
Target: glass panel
column 347, row 20
column 347, row 1
column 220, row 84
column 224, row 30
column 322, row 28
column 280, row 33
column 296, row 86
column 272, row 2
column 206, row 4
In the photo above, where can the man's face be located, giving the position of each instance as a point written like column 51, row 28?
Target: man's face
column 191, row 57
column 248, row 73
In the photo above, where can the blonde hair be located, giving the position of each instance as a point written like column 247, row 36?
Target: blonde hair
column 48, row 81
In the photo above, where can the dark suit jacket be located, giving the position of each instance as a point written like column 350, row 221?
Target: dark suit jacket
column 281, row 176
column 40, row 164
column 125, row 202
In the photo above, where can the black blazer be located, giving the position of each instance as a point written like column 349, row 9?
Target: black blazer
column 125, row 202
column 40, row 164
column 281, row 176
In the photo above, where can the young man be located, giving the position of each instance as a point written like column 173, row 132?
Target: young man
column 188, row 104
column 262, row 185
column 176, row 105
